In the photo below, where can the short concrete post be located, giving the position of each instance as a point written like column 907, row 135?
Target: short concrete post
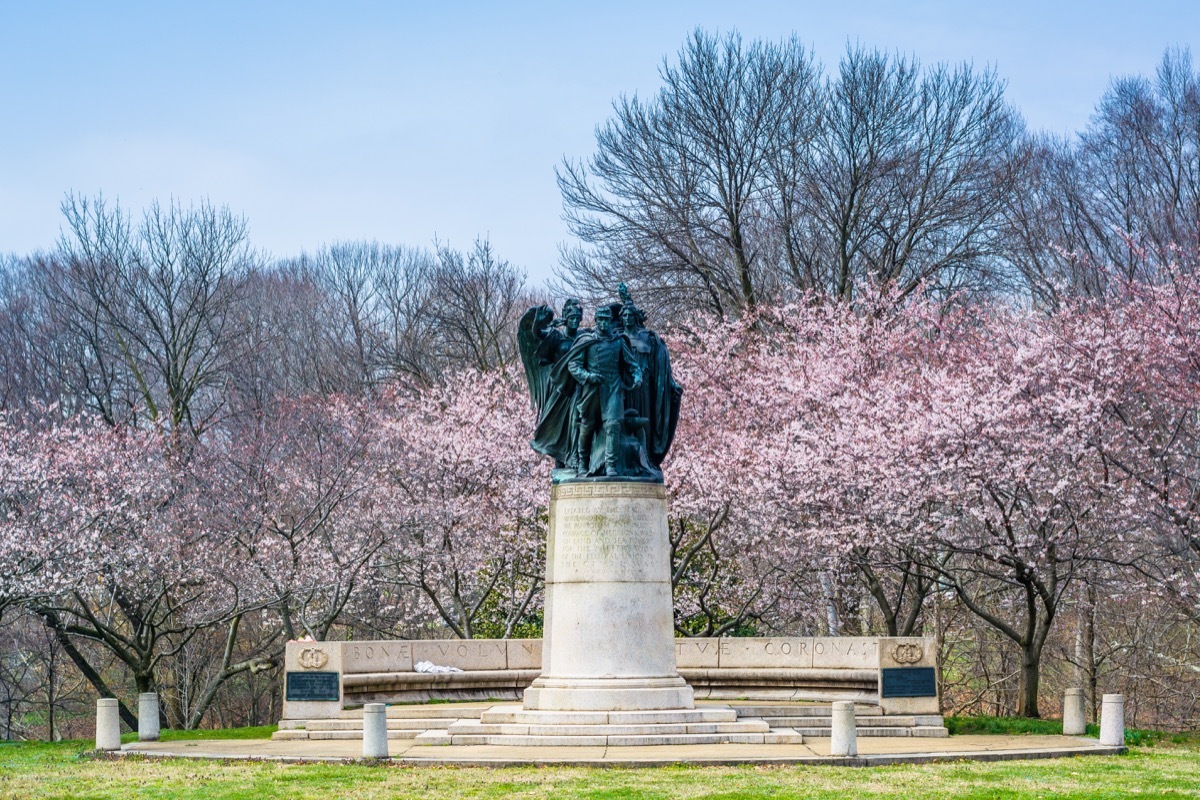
column 108, row 724
column 1074, row 716
column 147, row 717
column 375, row 741
column 844, row 736
column 1112, row 720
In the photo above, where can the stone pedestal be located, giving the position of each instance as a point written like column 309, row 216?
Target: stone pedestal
column 1074, row 715
column 148, row 728
column 908, row 676
column 844, row 734
column 608, row 649
column 108, row 724
column 609, row 642
column 375, row 735
column 312, row 685
column 1112, row 720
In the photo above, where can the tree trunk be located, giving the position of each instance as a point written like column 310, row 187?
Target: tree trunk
column 741, row 263
column 50, row 679
column 1031, row 658
column 227, row 671
column 832, row 618
column 877, row 592
column 1089, row 647
column 81, row 663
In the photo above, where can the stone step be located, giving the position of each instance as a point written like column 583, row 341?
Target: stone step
column 824, row 733
column 919, row 731
column 358, row 734
column 825, row 722
column 645, row 740
column 410, row 723
column 423, row 711
column 438, row 737
column 866, row 709
column 478, row 729
column 501, row 715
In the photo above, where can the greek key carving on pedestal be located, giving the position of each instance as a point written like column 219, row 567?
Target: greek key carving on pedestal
column 313, row 658
column 907, row 653
column 565, row 490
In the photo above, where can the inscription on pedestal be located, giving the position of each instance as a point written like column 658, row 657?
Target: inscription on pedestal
column 845, row 652
column 700, row 653
column 606, row 536
column 776, row 652
column 908, row 682
column 312, row 686
column 465, row 654
column 377, row 656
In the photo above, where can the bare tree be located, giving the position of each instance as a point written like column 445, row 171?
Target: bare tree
column 29, row 369
column 381, row 308
column 152, row 307
column 1141, row 158
column 671, row 198
column 746, row 179
column 385, row 296
column 356, row 315
column 1122, row 201
column 285, row 348
column 476, row 301
column 908, row 178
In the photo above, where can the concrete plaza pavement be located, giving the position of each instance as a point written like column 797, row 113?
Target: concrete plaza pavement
column 871, row 751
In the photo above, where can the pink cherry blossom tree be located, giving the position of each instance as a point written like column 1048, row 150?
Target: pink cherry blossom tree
column 290, row 493
column 91, row 527
column 731, row 569
column 464, row 499
column 927, row 447
column 1152, row 436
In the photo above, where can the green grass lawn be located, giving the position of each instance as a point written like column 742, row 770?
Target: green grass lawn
column 1010, row 726
column 1168, row 768
column 257, row 732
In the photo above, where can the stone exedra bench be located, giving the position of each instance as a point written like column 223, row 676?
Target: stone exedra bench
column 897, row 674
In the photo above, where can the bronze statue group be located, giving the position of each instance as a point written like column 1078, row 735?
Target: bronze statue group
column 606, row 400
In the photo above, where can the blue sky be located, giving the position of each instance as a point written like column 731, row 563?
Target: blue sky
column 404, row 121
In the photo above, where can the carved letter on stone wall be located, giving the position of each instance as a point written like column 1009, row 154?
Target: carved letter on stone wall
column 907, row 653
column 313, row 658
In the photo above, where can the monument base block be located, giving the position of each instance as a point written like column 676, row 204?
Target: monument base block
column 513, row 725
column 609, row 642
column 608, row 694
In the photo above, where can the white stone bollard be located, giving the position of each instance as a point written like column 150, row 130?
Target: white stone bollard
column 1112, row 720
column 844, row 736
column 1074, row 716
column 108, row 724
column 148, row 717
column 375, row 741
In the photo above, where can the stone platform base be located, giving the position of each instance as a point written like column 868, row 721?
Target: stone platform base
column 609, row 694
column 403, row 722
column 492, row 724
column 816, row 721
column 872, row 751
column 518, row 727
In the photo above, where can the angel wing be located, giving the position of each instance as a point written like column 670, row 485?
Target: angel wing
column 537, row 375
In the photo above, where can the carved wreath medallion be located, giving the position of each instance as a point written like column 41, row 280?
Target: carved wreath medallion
column 907, row 653
column 313, row 658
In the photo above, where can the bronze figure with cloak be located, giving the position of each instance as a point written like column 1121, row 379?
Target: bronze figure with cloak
column 629, row 434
